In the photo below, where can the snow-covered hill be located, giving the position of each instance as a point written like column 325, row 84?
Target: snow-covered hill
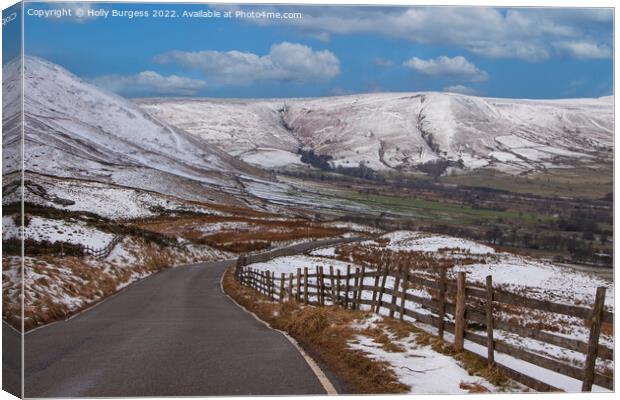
column 74, row 129
column 402, row 131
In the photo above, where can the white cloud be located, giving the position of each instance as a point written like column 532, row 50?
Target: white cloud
column 320, row 36
column 461, row 89
column 285, row 62
column 532, row 52
column 445, row 67
column 150, row 83
column 524, row 34
column 583, row 49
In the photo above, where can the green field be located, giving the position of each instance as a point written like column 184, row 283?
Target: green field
column 592, row 183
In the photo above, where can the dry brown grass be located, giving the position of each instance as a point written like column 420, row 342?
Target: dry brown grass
column 154, row 259
column 399, row 329
column 84, row 279
column 325, row 333
column 266, row 235
column 255, row 232
column 607, row 329
column 473, row 387
column 380, row 337
column 240, row 247
column 474, row 364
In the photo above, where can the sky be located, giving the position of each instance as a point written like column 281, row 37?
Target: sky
column 329, row 50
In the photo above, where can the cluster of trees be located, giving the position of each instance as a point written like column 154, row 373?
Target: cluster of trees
column 584, row 221
column 438, row 167
column 583, row 251
column 319, row 161
column 323, row 162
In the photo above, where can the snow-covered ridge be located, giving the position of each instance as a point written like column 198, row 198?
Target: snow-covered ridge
column 77, row 130
column 402, row 130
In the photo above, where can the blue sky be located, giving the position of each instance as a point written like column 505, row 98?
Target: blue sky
column 11, row 32
column 520, row 53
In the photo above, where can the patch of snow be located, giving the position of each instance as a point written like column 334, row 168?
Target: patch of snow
column 421, row 368
column 426, row 242
column 541, row 279
column 504, row 156
column 56, row 230
column 324, row 252
column 271, row 158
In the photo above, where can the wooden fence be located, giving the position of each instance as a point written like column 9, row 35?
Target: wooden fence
column 104, row 251
column 457, row 308
column 292, row 250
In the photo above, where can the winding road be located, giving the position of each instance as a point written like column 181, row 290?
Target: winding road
column 172, row 334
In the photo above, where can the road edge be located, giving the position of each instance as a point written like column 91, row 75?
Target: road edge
column 321, row 376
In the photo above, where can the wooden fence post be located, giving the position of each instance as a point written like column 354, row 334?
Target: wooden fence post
column 321, row 285
column 382, row 290
column 346, row 288
column 489, row 312
column 259, row 278
column 290, row 287
column 375, row 288
column 306, row 285
column 442, row 302
column 356, row 283
column 403, row 297
column 298, row 291
column 338, row 287
column 332, row 286
column 595, row 331
column 459, row 317
column 360, row 291
column 282, row 279
column 394, row 291
column 273, row 285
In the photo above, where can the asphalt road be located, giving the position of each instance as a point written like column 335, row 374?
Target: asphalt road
column 172, row 334
column 11, row 360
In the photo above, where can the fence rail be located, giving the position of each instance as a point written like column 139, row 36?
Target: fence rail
column 454, row 308
column 104, row 251
column 291, row 250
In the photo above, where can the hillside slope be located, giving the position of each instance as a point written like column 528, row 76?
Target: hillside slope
column 76, row 130
column 402, row 131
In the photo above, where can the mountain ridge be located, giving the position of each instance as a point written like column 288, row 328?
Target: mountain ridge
column 401, row 131
column 74, row 129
